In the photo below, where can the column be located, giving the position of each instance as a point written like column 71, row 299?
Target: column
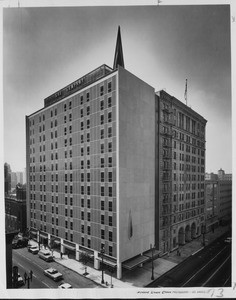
column 96, row 261
column 119, row 270
column 49, row 240
column 77, row 253
column 62, row 247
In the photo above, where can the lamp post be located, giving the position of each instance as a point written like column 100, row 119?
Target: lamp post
column 152, row 248
column 102, row 253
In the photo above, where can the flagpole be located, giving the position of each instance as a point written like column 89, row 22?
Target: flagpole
column 185, row 93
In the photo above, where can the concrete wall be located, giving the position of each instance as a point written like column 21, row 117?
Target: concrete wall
column 136, row 142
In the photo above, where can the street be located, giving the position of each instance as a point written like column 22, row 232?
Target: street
column 210, row 267
column 27, row 261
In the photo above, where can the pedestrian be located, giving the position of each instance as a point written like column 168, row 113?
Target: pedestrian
column 25, row 275
column 61, row 255
column 31, row 275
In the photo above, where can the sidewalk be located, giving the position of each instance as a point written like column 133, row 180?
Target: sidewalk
column 141, row 276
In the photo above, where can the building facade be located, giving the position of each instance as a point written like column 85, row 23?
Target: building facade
column 218, row 202
column 180, row 169
column 114, row 166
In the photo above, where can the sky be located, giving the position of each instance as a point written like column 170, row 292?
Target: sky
column 46, row 48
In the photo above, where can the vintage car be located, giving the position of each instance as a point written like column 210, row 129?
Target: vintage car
column 53, row 274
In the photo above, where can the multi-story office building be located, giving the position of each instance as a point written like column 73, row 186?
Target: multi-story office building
column 180, row 169
column 218, row 201
column 111, row 165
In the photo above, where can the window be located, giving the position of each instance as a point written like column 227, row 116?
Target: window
column 82, row 202
column 82, row 177
column 110, row 191
column 110, row 236
column 82, row 126
column 102, row 133
column 82, row 164
column 102, row 191
column 81, row 99
column 70, row 129
column 88, row 203
column 88, row 177
column 87, row 96
column 88, row 137
column 109, row 116
column 81, row 138
column 88, row 150
column 110, row 205
column 64, row 107
column 102, row 119
column 102, row 162
column 70, row 105
column 102, row 176
column 88, row 190
column 110, row 250
column 70, row 117
column 88, row 124
column 110, row 147
column 102, row 234
column 101, row 90
column 81, row 113
column 64, row 119
column 65, row 129
column 109, row 132
column 110, row 161
column 88, row 110
column 102, row 105
column 89, row 230
column 102, row 219
column 82, row 216
column 88, row 164
column 110, row 176
column 109, row 87
column 89, row 216
column 102, row 148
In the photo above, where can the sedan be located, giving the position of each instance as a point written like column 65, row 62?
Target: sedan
column 33, row 249
column 65, row 286
column 53, row 274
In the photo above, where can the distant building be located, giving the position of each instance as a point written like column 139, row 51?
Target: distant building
column 211, row 176
column 16, row 177
column 223, row 176
column 218, row 202
column 15, row 209
column 7, row 178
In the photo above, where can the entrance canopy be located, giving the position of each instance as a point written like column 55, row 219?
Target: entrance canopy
column 134, row 262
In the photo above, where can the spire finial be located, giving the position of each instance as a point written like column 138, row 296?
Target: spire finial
column 118, row 58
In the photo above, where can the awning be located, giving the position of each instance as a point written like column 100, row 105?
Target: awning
column 107, row 262
column 133, row 263
column 155, row 253
column 69, row 247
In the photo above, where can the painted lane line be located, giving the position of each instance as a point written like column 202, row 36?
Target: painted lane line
column 46, row 284
column 203, row 267
column 216, row 270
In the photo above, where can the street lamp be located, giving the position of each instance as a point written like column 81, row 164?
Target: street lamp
column 152, row 248
column 102, row 253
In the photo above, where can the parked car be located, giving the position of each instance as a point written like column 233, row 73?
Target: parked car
column 228, row 240
column 65, row 285
column 33, row 249
column 20, row 280
column 19, row 243
column 53, row 274
column 45, row 255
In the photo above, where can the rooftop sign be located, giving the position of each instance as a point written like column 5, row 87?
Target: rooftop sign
column 78, row 84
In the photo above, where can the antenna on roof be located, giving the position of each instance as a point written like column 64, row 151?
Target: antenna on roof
column 185, row 93
column 118, row 59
